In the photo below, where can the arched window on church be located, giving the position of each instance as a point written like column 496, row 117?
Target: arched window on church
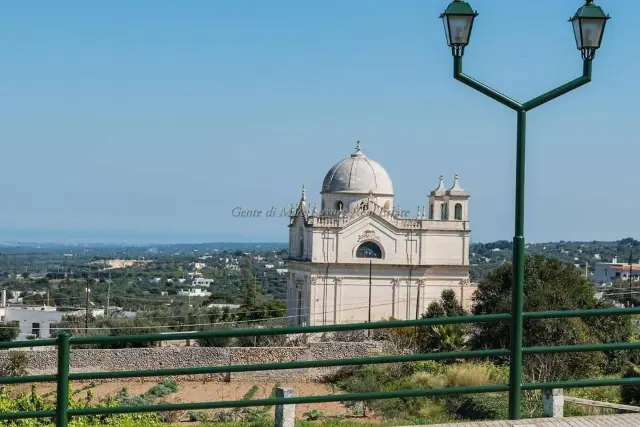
column 457, row 212
column 301, row 247
column 387, row 205
column 322, row 208
column 369, row 250
column 339, row 205
column 444, row 211
column 431, row 211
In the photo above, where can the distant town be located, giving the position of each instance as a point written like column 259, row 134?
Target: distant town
column 96, row 288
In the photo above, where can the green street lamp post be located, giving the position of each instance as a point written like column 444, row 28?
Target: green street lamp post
column 588, row 26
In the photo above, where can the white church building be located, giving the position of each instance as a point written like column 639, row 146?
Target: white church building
column 360, row 258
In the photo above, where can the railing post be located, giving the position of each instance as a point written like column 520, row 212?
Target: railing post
column 553, row 402
column 62, row 396
column 285, row 414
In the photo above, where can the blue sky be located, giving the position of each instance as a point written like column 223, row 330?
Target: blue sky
column 150, row 120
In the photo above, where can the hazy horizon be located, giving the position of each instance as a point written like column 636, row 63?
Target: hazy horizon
column 151, row 238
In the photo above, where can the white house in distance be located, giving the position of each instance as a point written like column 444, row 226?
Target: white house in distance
column 359, row 237
column 201, row 282
column 36, row 321
column 609, row 272
column 194, row 292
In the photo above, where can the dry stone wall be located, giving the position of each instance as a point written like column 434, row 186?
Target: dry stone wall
column 44, row 361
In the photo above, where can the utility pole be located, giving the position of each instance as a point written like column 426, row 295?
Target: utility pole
column 106, row 313
column 370, row 265
column 586, row 270
column 630, row 273
column 86, row 319
column 418, row 283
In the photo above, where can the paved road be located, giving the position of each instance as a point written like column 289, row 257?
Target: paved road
column 626, row 420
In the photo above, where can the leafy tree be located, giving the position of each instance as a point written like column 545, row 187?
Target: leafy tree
column 549, row 285
column 614, row 329
column 263, row 310
column 249, row 285
column 215, row 341
column 8, row 332
column 438, row 338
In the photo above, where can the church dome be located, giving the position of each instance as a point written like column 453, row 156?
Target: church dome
column 357, row 174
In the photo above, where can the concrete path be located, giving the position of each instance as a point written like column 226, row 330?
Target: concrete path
column 625, row 420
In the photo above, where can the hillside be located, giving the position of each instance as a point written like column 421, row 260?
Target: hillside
column 487, row 256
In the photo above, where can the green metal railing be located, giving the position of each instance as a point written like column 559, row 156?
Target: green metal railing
column 64, row 343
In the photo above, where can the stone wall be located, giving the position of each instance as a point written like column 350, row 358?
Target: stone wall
column 44, row 361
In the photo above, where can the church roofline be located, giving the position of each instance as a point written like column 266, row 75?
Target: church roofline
column 358, row 193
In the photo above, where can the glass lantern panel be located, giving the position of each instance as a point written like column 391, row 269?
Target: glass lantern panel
column 577, row 33
column 591, row 31
column 445, row 21
column 460, row 26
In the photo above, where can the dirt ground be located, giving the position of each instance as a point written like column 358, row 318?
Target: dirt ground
column 198, row 391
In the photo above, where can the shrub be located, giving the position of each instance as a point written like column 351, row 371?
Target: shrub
column 468, row 375
column 401, row 338
column 428, row 380
column 8, row 332
column 16, row 364
column 609, row 394
column 486, row 406
column 34, row 402
column 428, row 366
column 313, row 415
column 630, row 394
column 162, row 389
column 199, row 417
column 215, row 341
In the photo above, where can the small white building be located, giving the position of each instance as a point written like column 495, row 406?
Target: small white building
column 223, row 306
column 196, row 292
column 37, row 321
column 201, row 282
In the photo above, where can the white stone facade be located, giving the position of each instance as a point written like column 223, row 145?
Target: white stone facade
column 359, row 258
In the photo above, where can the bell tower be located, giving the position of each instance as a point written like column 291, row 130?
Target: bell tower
column 439, row 203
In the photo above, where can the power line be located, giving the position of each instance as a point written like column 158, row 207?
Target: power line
column 228, row 322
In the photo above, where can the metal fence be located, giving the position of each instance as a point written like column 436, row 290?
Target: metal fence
column 64, row 343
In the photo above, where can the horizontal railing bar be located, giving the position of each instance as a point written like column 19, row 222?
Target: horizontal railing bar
column 30, row 379
column 28, row 343
column 581, row 383
column 324, row 328
column 26, row 414
column 578, row 348
column 228, row 333
column 321, row 363
column 594, row 312
column 289, row 365
column 290, row 400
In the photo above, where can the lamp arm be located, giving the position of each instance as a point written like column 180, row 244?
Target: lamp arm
column 561, row 90
column 482, row 88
